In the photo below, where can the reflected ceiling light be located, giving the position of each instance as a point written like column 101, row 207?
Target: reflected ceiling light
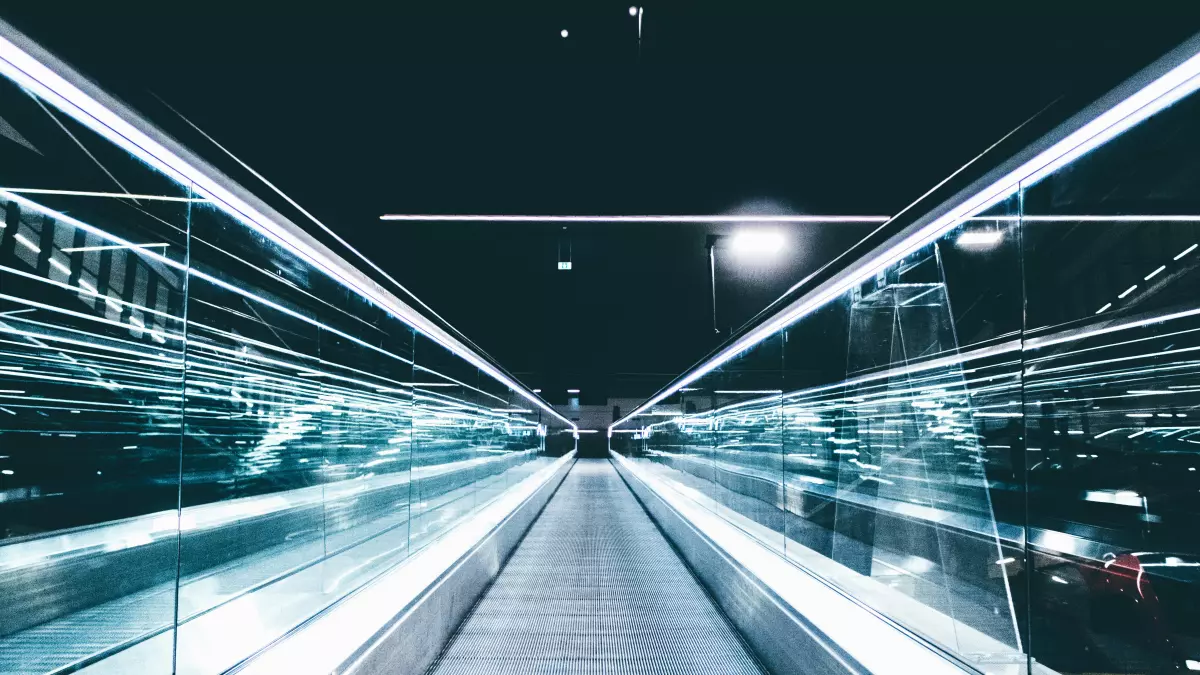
column 633, row 11
column 563, row 32
column 24, row 241
column 758, row 241
column 980, row 238
column 58, row 265
column 1119, row 497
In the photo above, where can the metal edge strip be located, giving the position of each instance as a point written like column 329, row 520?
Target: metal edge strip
column 782, row 637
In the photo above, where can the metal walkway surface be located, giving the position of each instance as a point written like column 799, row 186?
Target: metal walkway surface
column 595, row 588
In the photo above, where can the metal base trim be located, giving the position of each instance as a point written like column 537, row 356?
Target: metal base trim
column 782, row 637
column 413, row 642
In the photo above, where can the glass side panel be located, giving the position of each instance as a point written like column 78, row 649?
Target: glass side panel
column 690, row 441
column 522, row 440
column 256, row 467
column 637, row 437
column 1111, row 396
column 747, row 438
column 856, row 441
column 977, row 475
column 446, row 429
column 989, row 441
column 514, row 437
column 91, row 367
column 471, row 438
column 366, row 434
column 890, row 468
column 205, row 440
column 814, row 356
column 492, row 439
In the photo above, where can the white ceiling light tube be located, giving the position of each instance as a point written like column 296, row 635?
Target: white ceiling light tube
column 36, row 70
column 468, row 218
column 1158, row 86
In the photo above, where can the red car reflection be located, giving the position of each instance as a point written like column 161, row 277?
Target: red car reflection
column 1141, row 608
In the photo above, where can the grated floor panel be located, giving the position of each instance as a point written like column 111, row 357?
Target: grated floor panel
column 594, row 588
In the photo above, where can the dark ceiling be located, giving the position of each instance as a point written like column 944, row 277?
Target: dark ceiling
column 358, row 111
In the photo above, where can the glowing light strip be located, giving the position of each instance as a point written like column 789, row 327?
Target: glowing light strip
column 118, row 195
column 1160, row 93
column 1083, row 218
column 464, row 218
column 42, row 81
column 1082, row 334
column 110, row 247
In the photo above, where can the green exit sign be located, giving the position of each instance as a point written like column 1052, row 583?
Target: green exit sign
column 564, row 265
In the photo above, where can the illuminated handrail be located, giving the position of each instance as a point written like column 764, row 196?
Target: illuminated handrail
column 33, row 68
column 1159, row 85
